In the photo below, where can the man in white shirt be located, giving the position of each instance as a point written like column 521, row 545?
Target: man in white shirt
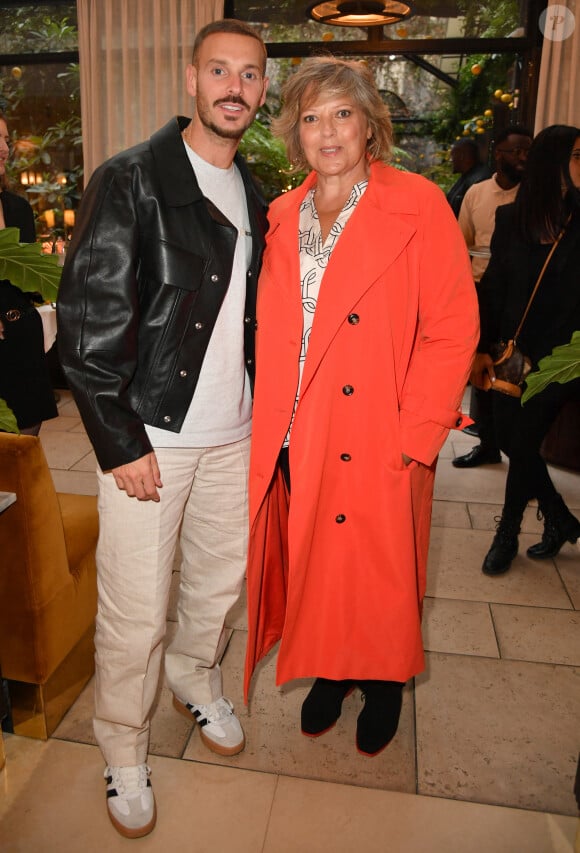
column 157, row 315
column 477, row 222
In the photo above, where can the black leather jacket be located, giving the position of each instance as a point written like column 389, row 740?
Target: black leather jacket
column 143, row 283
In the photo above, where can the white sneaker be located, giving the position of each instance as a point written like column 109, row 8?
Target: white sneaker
column 220, row 729
column 130, row 800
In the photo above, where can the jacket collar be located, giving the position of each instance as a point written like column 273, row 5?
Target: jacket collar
column 179, row 183
column 172, row 164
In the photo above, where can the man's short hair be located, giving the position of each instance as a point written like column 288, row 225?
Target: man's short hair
column 228, row 25
column 512, row 130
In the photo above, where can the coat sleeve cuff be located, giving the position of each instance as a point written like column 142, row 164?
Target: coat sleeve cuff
column 423, row 435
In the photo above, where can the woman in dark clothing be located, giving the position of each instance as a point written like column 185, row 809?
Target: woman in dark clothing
column 24, row 380
column 547, row 204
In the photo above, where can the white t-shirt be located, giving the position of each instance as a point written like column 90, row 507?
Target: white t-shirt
column 221, row 409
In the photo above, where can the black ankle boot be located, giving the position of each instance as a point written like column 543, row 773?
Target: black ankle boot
column 323, row 705
column 504, row 546
column 379, row 719
column 559, row 526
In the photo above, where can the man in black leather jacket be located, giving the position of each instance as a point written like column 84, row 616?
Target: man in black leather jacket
column 156, row 318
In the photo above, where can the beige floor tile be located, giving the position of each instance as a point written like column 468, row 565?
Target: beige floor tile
column 450, row 514
column 55, row 803
column 538, row 634
column 484, row 517
column 75, row 482
column 454, row 571
column 487, row 482
column 63, row 451
column 276, row 745
column 458, row 627
column 66, row 405
column 77, row 724
column 64, row 423
column 317, row 817
column 87, row 463
column 499, row 732
column 568, row 565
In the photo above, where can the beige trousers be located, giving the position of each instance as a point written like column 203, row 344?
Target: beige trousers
column 204, row 506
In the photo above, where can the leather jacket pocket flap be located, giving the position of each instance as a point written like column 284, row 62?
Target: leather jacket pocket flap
column 175, row 266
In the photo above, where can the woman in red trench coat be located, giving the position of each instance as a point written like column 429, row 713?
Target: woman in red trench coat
column 367, row 324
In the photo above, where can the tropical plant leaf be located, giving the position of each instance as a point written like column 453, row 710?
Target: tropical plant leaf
column 25, row 265
column 563, row 365
column 7, row 418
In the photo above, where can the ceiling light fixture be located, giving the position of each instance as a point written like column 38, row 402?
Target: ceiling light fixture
column 366, row 13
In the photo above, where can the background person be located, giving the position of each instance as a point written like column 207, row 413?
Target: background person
column 367, row 323
column 547, row 202
column 24, row 378
column 465, row 159
column 156, row 332
column 477, row 221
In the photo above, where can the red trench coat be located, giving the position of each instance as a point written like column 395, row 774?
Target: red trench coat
column 338, row 574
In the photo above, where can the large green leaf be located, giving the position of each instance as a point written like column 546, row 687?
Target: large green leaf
column 25, row 265
column 7, row 419
column 563, row 365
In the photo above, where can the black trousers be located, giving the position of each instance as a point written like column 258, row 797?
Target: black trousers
column 481, row 410
column 520, row 431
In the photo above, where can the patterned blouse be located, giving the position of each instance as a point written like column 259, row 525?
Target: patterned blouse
column 314, row 258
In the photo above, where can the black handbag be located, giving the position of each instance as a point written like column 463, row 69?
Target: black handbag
column 510, row 364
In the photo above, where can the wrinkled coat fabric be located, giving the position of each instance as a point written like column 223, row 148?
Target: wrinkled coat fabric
column 338, row 573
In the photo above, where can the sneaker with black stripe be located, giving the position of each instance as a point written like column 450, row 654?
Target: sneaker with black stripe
column 130, row 800
column 220, row 729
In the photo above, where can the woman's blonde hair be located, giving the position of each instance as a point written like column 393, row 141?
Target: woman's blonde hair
column 322, row 75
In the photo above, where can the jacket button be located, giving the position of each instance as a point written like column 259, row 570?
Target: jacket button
column 340, row 518
column 249, row 361
column 348, row 390
column 215, row 278
column 353, row 319
column 458, row 422
column 346, row 457
column 167, row 419
column 199, row 325
column 249, row 273
column 247, row 320
column 183, row 373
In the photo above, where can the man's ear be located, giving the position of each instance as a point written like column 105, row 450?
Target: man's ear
column 191, row 80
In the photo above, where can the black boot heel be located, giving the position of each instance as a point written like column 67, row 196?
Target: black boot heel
column 323, row 705
column 560, row 526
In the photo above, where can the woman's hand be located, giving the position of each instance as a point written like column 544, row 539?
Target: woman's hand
column 482, row 372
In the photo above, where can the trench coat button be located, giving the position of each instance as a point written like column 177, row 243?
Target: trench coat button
column 353, row 319
column 458, row 422
column 346, row 457
column 199, row 326
column 167, row 419
column 340, row 518
column 215, row 278
column 348, row 390
column 183, row 373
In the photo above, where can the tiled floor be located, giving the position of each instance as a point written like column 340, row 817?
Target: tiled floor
column 484, row 760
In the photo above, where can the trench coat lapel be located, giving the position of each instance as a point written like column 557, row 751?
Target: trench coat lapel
column 374, row 237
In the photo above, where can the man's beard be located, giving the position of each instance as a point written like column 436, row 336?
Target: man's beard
column 512, row 173
column 224, row 132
